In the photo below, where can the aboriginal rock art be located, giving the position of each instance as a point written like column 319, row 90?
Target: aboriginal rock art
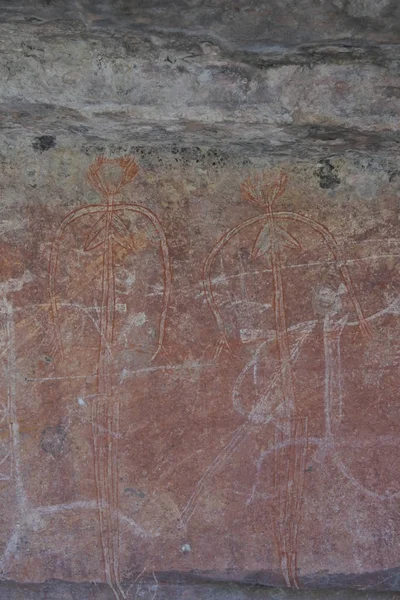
column 333, row 330
column 10, row 451
column 292, row 423
column 145, row 586
column 109, row 230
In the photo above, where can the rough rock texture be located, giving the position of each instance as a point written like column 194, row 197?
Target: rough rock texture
column 289, row 77
column 147, row 589
column 199, row 300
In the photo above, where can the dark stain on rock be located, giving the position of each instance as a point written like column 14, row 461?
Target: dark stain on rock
column 46, row 359
column 43, row 143
column 134, row 492
column 327, row 175
column 394, row 176
column 52, row 439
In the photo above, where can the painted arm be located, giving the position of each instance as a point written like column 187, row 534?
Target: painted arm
column 209, row 264
column 53, row 263
column 335, row 251
column 167, row 273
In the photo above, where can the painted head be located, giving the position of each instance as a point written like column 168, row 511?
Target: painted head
column 327, row 300
column 263, row 188
column 109, row 175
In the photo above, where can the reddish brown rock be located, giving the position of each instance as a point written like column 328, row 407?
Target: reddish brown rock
column 199, row 371
column 199, row 299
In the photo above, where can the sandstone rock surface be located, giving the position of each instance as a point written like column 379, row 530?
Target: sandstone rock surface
column 199, row 300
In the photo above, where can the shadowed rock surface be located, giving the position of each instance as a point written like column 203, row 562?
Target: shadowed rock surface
column 58, row 590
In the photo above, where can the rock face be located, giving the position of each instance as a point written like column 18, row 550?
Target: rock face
column 199, row 300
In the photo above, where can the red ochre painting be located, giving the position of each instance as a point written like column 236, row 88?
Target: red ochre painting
column 200, row 383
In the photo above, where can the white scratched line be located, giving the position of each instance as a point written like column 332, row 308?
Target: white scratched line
column 185, row 365
column 131, row 523
column 68, row 305
column 221, row 279
column 41, row 379
column 11, row 547
column 237, row 437
column 333, row 376
column 392, row 309
column 95, row 309
column 246, row 303
column 55, row 508
column 89, row 505
column 22, row 504
column 388, row 241
column 173, row 467
column 22, row 500
column 340, row 261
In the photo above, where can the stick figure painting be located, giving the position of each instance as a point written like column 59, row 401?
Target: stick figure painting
column 199, row 365
column 298, row 293
column 111, row 244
